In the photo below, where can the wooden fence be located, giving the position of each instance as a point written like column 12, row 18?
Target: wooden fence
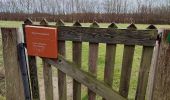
column 94, row 35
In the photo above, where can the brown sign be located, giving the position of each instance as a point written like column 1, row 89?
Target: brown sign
column 41, row 41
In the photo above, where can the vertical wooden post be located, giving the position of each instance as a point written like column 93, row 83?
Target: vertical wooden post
column 126, row 70
column 14, row 85
column 93, row 56
column 62, row 84
column 144, row 71
column 152, row 73
column 47, row 73
column 33, row 71
column 77, row 48
column 161, row 89
column 110, row 61
column 127, row 66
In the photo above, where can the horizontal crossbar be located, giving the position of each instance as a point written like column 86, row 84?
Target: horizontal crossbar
column 108, row 35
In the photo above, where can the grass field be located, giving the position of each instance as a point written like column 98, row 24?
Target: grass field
column 101, row 57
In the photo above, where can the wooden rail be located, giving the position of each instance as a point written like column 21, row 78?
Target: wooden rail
column 108, row 35
column 95, row 35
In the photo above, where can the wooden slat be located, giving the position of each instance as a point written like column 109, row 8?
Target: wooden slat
column 144, row 72
column 126, row 70
column 108, row 35
column 127, row 66
column 33, row 71
column 47, row 73
column 110, row 60
column 85, row 78
column 62, row 84
column 152, row 27
column 151, row 80
column 93, row 57
column 132, row 26
column 113, row 25
column 14, row 85
column 109, row 64
column 77, row 49
column 152, row 72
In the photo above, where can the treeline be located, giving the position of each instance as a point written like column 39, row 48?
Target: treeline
column 120, row 11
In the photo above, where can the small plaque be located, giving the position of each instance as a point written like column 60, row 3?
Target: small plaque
column 41, row 41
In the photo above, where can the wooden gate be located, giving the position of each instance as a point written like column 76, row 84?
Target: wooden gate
column 94, row 35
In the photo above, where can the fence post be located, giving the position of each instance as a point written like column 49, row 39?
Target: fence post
column 77, row 49
column 92, row 62
column 47, row 73
column 33, row 70
column 14, row 85
column 62, row 84
column 127, row 62
column 149, row 90
column 161, row 88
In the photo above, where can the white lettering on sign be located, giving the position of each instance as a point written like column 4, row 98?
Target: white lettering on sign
column 39, row 46
column 35, row 33
column 43, row 44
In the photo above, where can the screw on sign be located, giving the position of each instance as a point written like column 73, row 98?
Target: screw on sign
column 41, row 41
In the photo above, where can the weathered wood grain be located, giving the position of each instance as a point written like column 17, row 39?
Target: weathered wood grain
column 62, row 84
column 151, row 27
column 152, row 72
column 44, row 22
column 109, row 64
column 47, row 73
column 108, row 35
column 77, row 47
column 151, row 80
column 161, row 89
column 85, row 78
column 14, row 85
column 34, row 77
column 144, row 72
column 110, row 60
column 93, row 57
column 33, row 71
column 113, row 25
column 126, row 70
column 132, row 26
column 77, row 50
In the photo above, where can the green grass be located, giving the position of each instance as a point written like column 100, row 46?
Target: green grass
column 118, row 64
column 2, row 98
column 101, row 57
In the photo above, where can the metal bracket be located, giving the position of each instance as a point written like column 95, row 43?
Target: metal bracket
column 24, row 70
column 159, row 37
